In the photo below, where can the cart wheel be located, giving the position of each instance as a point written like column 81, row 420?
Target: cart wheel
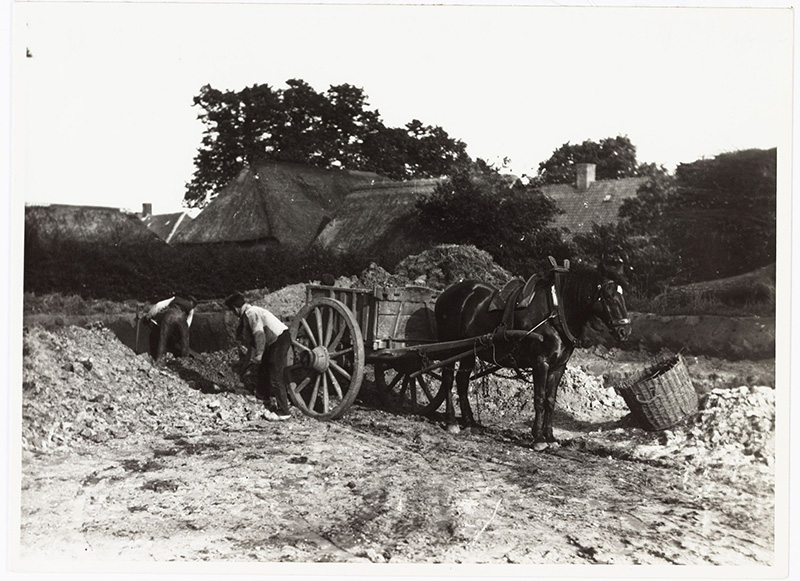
column 328, row 359
column 420, row 395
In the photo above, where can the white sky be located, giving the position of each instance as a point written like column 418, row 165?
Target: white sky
column 103, row 109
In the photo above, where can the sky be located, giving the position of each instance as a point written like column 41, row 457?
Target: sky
column 103, row 92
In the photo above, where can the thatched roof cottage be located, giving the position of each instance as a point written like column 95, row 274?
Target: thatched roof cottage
column 371, row 218
column 57, row 223
column 274, row 202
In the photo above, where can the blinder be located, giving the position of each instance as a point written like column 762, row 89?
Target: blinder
column 601, row 296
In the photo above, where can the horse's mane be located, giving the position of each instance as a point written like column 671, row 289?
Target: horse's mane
column 582, row 280
column 580, row 283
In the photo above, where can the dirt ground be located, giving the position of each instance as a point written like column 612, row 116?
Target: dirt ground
column 126, row 461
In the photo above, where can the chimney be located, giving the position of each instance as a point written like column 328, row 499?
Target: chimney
column 585, row 177
column 147, row 209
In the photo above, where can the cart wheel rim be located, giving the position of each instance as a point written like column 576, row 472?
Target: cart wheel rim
column 328, row 359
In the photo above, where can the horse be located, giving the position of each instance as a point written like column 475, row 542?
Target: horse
column 562, row 302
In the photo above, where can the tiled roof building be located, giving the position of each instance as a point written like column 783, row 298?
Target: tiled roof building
column 165, row 226
column 590, row 201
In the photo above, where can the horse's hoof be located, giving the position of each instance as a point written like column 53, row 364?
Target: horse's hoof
column 539, row 446
column 453, row 429
column 553, row 444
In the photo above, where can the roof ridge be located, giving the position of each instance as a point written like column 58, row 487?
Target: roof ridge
column 391, row 184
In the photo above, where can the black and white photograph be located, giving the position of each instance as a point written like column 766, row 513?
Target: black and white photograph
column 411, row 290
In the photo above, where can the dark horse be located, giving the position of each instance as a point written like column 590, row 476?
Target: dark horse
column 563, row 301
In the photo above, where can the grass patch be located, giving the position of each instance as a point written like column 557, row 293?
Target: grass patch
column 700, row 304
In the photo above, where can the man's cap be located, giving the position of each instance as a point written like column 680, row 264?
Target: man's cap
column 235, row 301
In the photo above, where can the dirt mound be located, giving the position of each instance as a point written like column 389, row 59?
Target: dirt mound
column 443, row 265
column 736, row 421
column 82, row 386
column 507, row 397
column 283, row 303
column 734, row 429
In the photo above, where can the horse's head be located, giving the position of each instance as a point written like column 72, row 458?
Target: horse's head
column 610, row 304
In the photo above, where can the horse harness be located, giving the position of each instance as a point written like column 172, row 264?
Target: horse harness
column 515, row 296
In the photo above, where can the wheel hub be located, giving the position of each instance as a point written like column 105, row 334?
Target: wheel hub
column 319, row 359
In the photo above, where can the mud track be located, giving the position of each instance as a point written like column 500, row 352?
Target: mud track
column 124, row 461
column 382, row 488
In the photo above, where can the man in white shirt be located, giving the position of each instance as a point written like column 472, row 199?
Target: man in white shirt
column 268, row 341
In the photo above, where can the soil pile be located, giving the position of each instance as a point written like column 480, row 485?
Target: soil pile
column 736, row 422
column 506, row 396
column 436, row 268
column 82, row 386
column 283, row 303
column 444, row 265
column 734, row 430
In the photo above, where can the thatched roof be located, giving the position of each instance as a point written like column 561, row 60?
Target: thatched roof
column 282, row 202
column 598, row 204
column 52, row 225
column 377, row 215
column 165, row 226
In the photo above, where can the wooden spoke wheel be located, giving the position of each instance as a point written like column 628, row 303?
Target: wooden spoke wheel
column 420, row 395
column 325, row 374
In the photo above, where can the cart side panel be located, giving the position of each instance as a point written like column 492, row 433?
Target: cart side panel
column 404, row 317
column 358, row 300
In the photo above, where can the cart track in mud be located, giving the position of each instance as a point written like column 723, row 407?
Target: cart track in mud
column 376, row 487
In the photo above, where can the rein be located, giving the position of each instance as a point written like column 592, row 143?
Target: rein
column 558, row 299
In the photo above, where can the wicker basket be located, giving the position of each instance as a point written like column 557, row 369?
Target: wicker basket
column 660, row 396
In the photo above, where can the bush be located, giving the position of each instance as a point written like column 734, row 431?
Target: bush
column 148, row 273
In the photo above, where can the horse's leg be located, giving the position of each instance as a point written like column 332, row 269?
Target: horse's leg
column 539, row 392
column 553, row 381
column 462, row 384
column 447, row 384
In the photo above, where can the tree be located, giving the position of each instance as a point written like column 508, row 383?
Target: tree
column 334, row 129
column 714, row 218
column 723, row 212
column 495, row 213
column 615, row 158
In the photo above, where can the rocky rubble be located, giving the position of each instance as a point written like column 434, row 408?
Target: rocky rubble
column 83, row 386
column 733, row 432
column 734, row 422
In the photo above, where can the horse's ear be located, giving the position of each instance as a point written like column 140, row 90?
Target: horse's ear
column 566, row 263
column 553, row 262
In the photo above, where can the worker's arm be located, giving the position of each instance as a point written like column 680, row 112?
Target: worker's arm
column 259, row 338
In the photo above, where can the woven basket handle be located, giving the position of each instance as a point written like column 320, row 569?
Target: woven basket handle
column 646, row 401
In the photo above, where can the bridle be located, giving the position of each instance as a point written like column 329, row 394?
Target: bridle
column 614, row 323
column 558, row 313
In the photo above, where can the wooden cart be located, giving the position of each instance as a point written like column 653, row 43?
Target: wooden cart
column 341, row 330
